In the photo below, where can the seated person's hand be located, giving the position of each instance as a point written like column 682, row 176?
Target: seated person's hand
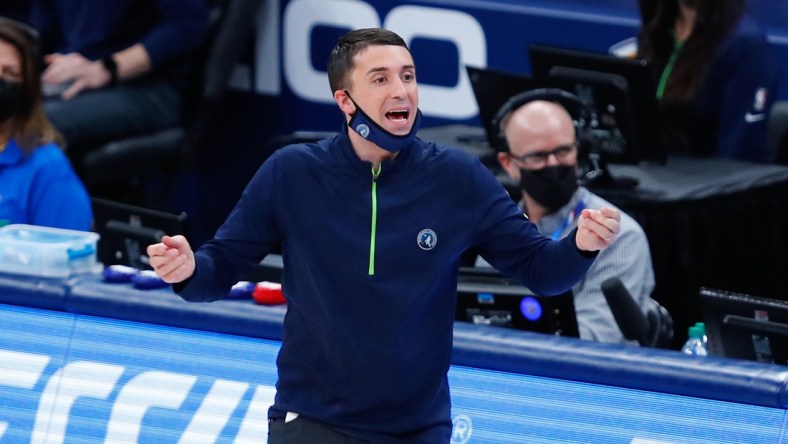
column 75, row 71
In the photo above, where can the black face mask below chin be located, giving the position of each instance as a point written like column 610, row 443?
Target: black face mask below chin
column 551, row 187
column 11, row 96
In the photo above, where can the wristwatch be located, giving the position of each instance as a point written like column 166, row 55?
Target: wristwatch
column 112, row 69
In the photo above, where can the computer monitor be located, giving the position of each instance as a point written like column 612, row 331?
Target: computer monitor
column 492, row 88
column 745, row 326
column 127, row 230
column 621, row 91
column 484, row 296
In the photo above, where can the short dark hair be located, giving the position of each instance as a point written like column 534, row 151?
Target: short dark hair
column 340, row 62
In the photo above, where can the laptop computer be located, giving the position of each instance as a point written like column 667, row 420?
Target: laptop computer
column 484, row 296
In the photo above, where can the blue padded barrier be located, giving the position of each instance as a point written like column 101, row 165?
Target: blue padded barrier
column 92, row 296
column 662, row 371
column 620, row 365
column 33, row 291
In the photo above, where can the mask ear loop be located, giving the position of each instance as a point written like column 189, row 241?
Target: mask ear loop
column 353, row 114
column 347, row 93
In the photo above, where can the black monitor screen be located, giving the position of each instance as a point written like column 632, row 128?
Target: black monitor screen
column 492, row 88
column 621, row 92
column 744, row 326
column 484, row 296
column 127, row 230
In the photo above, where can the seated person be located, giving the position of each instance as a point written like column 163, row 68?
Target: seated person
column 116, row 69
column 37, row 184
column 717, row 79
column 540, row 154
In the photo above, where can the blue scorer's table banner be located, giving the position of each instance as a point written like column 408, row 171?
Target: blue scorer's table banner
column 68, row 378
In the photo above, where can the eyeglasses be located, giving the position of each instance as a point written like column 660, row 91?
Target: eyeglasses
column 538, row 159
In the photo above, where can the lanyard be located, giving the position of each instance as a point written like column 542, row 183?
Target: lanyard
column 570, row 218
column 663, row 79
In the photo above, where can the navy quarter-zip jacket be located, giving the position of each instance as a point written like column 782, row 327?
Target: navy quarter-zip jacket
column 370, row 275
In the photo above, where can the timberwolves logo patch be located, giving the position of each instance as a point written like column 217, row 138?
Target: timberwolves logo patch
column 362, row 130
column 427, row 239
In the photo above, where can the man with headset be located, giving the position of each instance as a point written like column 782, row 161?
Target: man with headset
column 539, row 148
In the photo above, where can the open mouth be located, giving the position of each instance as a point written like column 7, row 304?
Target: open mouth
column 399, row 115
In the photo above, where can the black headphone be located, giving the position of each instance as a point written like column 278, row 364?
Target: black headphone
column 580, row 111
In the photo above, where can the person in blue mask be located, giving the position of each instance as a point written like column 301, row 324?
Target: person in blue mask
column 37, row 184
column 372, row 223
column 716, row 76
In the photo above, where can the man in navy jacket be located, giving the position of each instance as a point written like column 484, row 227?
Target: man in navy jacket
column 372, row 223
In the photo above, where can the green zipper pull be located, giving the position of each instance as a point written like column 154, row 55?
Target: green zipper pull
column 375, row 174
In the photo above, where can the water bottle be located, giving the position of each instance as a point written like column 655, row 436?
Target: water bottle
column 703, row 336
column 694, row 345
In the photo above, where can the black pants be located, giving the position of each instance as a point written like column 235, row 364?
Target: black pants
column 306, row 431
column 97, row 116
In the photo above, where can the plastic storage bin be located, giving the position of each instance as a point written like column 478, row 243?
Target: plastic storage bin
column 48, row 252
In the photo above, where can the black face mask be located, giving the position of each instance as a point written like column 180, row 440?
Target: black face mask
column 10, row 99
column 551, row 187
